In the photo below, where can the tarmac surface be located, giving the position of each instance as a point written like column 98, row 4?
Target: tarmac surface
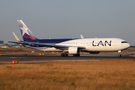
column 102, row 56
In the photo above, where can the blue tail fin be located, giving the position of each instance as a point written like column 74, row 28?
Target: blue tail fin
column 25, row 32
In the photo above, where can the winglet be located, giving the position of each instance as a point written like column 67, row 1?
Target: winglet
column 17, row 37
column 81, row 36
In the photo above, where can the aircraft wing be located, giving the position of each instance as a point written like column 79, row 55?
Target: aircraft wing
column 17, row 37
column 46, row 45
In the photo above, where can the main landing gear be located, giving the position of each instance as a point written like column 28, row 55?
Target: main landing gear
column 64, row 55
column 76, row 55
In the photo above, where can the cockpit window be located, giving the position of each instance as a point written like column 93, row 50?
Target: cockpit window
column 124, row 42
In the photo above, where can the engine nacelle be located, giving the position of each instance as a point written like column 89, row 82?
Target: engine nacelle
column 92, row 52
column 73, row 50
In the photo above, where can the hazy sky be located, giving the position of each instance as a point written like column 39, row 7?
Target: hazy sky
column 69, row 18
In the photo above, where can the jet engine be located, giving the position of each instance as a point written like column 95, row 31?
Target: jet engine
column 73, row 50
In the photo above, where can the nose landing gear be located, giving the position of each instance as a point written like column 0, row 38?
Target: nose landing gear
column 119, row 52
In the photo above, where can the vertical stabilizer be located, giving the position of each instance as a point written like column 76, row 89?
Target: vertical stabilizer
column 27, row 35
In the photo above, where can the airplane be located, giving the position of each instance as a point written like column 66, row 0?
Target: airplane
column 71, row 45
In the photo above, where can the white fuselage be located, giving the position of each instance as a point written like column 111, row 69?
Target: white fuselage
column 92, row 44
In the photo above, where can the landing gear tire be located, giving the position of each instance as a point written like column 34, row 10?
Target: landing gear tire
column 119, row 55
column 64, row 55
column 76, row 55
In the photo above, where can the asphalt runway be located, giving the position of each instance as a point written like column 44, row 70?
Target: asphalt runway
column 102, row 56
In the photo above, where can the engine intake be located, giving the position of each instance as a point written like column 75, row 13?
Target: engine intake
column 73, row 50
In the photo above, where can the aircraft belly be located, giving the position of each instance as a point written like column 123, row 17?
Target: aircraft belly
column 101, row 48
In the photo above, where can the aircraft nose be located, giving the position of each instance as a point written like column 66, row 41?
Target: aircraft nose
column 128, row 45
